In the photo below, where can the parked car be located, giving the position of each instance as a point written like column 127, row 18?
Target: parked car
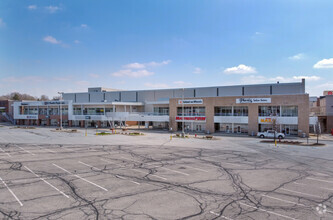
column 270, row 134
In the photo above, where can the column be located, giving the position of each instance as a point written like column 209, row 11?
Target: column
column 99, row 124
column 70, row 123
column 82, row 123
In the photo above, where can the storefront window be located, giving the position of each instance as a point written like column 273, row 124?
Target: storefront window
column 43, row 111
column 93, row 111
column 77, row 111
column 191, row 111
column 241, row 111
column 289, row 111
column 161, row 110
column 269, row 110
column 223, row 111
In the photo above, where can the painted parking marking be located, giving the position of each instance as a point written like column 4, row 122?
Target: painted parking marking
column 121, row 177
column 5, row 152
column 46, row 182
column 80, row 177
column 283, row 200
column 90, row 166
column 131, row 160
column 45, row 149
column 175, row 171
column 264, row 210
column 214, row 213
column 17, row 199
column 300, row 193
column 151, row 174
column 302, row 184
column 111, row 162
column 26, row 150
column 195, row 168
column 325, row 181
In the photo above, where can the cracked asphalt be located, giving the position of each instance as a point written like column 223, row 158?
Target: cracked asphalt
column 57, row 175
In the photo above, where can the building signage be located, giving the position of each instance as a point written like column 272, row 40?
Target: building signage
column 191, row 118
column 265, row 120
column 54, row 103
column 253, row 100
column 87, row 117
column 190, row 102
column 32, row 117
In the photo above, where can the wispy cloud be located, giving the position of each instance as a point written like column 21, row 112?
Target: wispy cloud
column 84, row 26
column 52, row 9
column 197, row 70
column 137, row 65
column 77, row 41
column 32, row 7
column 93, row 75
column 257, row 79
column 157, row 85
column 30, row 79
column 240, row 69
column 298, row 56
column 51, row 40
column 132, row 74
column 2, row 23
column 324, row 64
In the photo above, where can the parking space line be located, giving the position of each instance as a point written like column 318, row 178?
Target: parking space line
column 131, row 160
column 186, row 174
column 111, row 162
column 287, row 201
column 300, row 193
column 80, row 177
column 121, row 177
column 43, row 148
column 47, row 182
column 214, row 213
column 26, row 150
column 5, row 152
column 302, row 184
column 264, row 210
column 151, row 174
column 325, row 181
column 90, row 166
column 11, row 192
column 195, row 168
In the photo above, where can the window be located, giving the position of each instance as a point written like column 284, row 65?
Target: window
column 289, row 111
column 241, row 111
column 76, row 111
column 269, row 110
column 191, row 111
column 93, row 111
column 223, row 111
column 161, row 110
column 43, row 111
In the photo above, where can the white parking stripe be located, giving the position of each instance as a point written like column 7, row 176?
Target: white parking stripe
column 151, row 174
column 111, row 162
column 81, row 178
column 11, row 192
column 43, row 148
column 264, row 210
column 121, row 177
column 186, row 174
column 283, row 200
column 90, row 166
column 131, row 160
column 47, row 182
column 195, row 168
column 26, row 150
column 214, row 213
column 300, row 193
column 5, row 152
column 325, row 181
column 302, row 184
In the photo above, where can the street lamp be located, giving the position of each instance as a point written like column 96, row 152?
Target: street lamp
column 183, row 124
column 60, row 93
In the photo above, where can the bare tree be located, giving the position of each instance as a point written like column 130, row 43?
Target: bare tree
column 44, row 98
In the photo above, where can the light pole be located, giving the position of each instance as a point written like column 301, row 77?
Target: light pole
column 183, row 124
column 61, row 93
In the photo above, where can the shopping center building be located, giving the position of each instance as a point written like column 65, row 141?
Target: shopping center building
column 231, row 109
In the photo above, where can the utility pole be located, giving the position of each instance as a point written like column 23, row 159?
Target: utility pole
column 61, row 93
column 183, row 123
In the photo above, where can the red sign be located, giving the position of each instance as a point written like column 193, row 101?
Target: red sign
column 330, row 93
column 191, row 118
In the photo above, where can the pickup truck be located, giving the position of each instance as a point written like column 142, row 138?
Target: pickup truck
column 270, row 134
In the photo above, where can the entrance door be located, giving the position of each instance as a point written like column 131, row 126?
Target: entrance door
column 287, row 130
column 198, row 128
column 227, row 129
column 238, row 129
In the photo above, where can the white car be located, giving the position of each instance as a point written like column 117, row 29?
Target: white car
column 270, row 134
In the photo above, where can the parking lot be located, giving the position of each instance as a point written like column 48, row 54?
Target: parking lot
column 46, row 174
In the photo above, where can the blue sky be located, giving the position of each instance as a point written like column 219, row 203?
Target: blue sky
column 50, row 46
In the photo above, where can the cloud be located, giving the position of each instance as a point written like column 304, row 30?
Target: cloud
column 82, row 83
column 258, row 33
column 255, row 79
column 32, row 7
column 298, row 56
column 83, row 26
column 93, row 75
column 132, row 74
column 77, row 41
column 157, row 85
column 30, row 79
column 324, row 64
column 182, row 83
column 52, row 9
column 240, row 69
column 145, row 65
column 2, row 23
column 197, row 70
column 51, row 40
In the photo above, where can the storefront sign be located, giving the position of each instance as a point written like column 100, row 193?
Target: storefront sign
column 190, row 102
column 54, row 102
column 253, row 100
column 265, row 120
column 191, row 118
column 32, row 117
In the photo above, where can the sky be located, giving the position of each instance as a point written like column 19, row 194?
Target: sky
column 54, row 46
